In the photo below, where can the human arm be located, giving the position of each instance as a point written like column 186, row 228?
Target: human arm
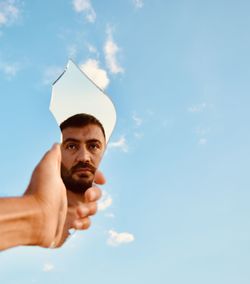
column 43, row 215
column 20, row 221
column 38, row 217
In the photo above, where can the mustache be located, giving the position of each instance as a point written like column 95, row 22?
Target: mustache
column 82, row 165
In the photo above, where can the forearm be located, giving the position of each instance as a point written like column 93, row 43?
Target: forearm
column 20, row 222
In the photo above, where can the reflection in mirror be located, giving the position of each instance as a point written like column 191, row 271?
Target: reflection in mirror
column 73, row 92
column 86, row 117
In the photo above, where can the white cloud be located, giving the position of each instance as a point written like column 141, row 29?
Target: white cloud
column 95, row 73
column 109, row 215
column 110, row 50
column 202, row 141
column 138, row 3
column 105, row 201
column 137, row 120
column 197, row 108
column 84, row 6
column 116, row 239
column 92, row 48
column 119, row 144
column 10, row 69
column 51, row 74
column 48, row 267
column 9, row 12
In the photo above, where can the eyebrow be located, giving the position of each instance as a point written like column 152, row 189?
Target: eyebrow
column 71, row 140
column 94, row 140
column 78, row 141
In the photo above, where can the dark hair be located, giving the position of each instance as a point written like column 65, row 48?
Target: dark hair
column 80, row 120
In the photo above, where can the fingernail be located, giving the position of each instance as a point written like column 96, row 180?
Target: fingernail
column 52, row 245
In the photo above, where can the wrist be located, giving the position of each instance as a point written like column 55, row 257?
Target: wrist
column 20, row 221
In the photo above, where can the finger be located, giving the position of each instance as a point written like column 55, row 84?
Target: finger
column 82, row 210
column 82, row 224
column 53, row 156
column 92, row 208
column 51, row 161
column 55, row 153
column 86, row 210
column 99, row 178
column 92, row 194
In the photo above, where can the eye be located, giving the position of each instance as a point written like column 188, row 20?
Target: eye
column 94, row 146
column 71, row 146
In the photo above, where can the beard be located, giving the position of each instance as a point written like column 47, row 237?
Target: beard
column 82, row 181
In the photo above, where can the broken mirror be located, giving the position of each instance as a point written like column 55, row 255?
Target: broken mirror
column 86, row 117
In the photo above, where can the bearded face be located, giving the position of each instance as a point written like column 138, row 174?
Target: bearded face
column 82, row 150
column 78, row 178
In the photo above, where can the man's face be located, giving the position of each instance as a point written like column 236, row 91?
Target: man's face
column 82, row 150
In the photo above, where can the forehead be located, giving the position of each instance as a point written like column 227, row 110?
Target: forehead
column 84, row 133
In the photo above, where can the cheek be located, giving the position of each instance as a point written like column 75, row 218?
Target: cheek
column 97, row 159
column 67, row 159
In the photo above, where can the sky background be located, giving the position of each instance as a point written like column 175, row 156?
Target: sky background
column 176, row 204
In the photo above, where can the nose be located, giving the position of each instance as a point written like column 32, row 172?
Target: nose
column 83, row 155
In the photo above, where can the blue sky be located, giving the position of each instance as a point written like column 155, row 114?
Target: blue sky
column 176, row 204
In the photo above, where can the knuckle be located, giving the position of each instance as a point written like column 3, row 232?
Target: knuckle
column 82, row 224
column 93, row 208
column 83, row 211
column 86, row 223
column 98, row 193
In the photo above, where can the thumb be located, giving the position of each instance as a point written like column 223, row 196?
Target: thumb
column 99, row 178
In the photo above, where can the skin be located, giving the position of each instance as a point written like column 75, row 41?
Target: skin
column 82, row 150
column 82, row 145
column 41, row 215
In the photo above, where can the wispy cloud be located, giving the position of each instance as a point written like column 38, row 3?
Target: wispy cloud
column 85, row 6
column 202, row 130
column 116, row 239
column 105, row 201
column 138, row 3
column 51, row 74
column 72, row 50
column 95, row 73
column 48, row 267
column 121, row 144
column 202, row 134
column 109, row 215
column 110, row 50
column 92, row 49
column 9, row 12
column 197, row 108
column 10, row 69
column 138, row 135
column 137, row 120
column 202, row 141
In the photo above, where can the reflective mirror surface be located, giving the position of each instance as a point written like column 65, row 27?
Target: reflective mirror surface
column 73, row 93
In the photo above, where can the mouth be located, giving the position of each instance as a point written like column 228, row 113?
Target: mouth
column 83, row 170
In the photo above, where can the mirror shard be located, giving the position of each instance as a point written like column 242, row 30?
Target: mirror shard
column 73, row 93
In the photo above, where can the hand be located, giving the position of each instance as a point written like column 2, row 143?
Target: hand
column 49, row 193
column 81, row 207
